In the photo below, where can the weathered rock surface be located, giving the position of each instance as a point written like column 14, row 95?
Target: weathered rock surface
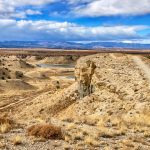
column 110, row 83
column 84, row 75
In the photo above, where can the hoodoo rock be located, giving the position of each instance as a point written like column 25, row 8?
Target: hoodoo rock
column 84, row 75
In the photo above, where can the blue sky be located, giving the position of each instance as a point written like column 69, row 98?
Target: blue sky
column 75, row 20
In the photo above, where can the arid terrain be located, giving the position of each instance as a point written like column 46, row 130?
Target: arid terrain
column 75, row 102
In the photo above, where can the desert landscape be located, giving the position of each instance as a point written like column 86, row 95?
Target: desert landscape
column 74, row 75
column 74, row 102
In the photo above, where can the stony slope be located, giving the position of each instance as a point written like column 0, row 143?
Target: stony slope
column 108, row 82
column 106, row 108
column 109, row 101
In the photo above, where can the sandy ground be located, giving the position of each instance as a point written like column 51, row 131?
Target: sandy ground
column 114, row 116
column 21, row 81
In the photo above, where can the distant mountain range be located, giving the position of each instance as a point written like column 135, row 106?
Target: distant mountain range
column 72, row 45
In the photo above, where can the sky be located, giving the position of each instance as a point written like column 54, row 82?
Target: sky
column 75, row 20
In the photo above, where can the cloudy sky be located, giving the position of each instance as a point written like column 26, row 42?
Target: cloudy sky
column 75, row 20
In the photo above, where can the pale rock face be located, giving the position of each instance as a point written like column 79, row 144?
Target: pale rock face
column 84, row 75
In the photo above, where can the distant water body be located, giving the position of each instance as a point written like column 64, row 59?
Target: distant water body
column 71, row 77
column 56, row 65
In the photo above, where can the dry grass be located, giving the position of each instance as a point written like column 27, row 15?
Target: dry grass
column 40, row 120
column 107, row 148
column 128, row 143
column 146, row 133
column 2, row 145
column 5, row 120
column 17, row 140
column 72, row 132
column 138, row 119
column 67, row 138
column 5, row 124
column 111, row 126
column 37, row 139
column 70, row 126
column 92, row 119
column 4, row 128
column 45, row 131
column 79, row 136
column 91, row 141
column 66, row 146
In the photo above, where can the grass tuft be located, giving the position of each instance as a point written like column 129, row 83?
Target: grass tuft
column 17, row 140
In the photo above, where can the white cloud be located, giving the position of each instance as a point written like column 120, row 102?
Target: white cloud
column 79, row 1
column 16, row 3
column 33, row 12
column 19, row 14
column 140, row 41
column 113, row 7
column 50, row 30
column 9, row 8
column 92, row 8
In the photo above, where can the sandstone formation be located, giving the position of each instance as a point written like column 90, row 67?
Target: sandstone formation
column 84, row 75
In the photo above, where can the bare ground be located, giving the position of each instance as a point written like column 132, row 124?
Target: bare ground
column 115, row 116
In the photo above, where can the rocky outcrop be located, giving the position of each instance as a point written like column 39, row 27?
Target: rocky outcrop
column 116, row 74
column 84, row 75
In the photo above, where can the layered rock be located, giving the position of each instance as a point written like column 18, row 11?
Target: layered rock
column 84, row 75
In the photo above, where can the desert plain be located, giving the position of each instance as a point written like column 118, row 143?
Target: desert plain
column 76, row 101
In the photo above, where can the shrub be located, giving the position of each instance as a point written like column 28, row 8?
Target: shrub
column 45, row 131
column 3, row 78
column 19, row 74
column 9, row 77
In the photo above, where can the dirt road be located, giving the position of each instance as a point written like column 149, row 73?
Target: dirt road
column 145, row 68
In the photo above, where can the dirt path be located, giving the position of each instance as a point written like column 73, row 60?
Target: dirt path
column 9, row 106
column 145, row 68
column 14, row 101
